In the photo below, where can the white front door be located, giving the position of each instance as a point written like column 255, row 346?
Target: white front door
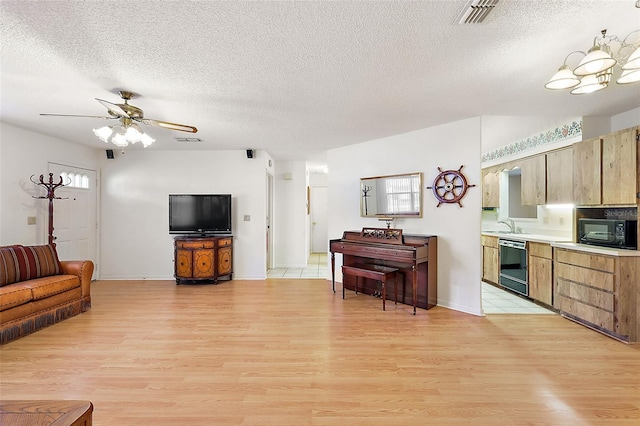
column 75, row 214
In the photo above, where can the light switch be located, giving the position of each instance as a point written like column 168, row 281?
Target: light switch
column 31, row 220
column 247, row 218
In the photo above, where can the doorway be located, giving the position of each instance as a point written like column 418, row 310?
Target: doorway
column 319, row 222
column 75, row 214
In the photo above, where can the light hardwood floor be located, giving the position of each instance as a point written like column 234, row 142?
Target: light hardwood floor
column 290, row 352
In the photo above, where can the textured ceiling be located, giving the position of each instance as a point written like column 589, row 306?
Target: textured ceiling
column 296, row 78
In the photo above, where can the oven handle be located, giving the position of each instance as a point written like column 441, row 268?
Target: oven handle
column 520, row 245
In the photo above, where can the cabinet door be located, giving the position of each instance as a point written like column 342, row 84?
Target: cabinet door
column 541, row 279
column 560, row 176
column 534, row 181
column 183, row 264
column 619, row 161
column 587, row 172
column 491, row 188
column 203, row 263
column 224, row 261
column 490, row 265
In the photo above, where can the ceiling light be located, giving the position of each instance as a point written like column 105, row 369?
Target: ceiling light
column 123, row 134
column 595, row 70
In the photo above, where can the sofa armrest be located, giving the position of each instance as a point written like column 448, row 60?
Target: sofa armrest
column 83, row 269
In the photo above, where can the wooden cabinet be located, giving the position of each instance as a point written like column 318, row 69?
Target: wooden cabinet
column 491, row 188
column 534, row 180
column 560, row 176
column 490, row 259
column 600, row 291
column 587, row 172
column 605, row 170
column 541, row 272
column 202, row 258
column 619, row 161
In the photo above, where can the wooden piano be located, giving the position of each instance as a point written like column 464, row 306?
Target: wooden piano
column 415, row 256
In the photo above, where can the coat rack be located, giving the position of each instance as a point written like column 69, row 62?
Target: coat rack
column 51, row 189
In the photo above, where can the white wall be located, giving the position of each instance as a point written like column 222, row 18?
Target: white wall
column 625, row 120
column 135, row 240
column 291, row 248
column 458, row 229
column 22, row 154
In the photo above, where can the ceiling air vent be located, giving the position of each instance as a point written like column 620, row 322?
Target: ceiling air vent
column 189, row 140
column 476, row 11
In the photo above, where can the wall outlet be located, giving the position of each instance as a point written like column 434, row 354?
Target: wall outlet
column 31, row 220
column 247, row 218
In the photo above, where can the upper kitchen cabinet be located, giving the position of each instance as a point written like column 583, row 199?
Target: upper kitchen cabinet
column 620, row 167
column 605, row 170
column 587, row 172
column 491, row 187
column 560, row 177
column 534, row 180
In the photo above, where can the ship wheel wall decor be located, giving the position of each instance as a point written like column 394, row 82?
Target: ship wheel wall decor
column 450, row 186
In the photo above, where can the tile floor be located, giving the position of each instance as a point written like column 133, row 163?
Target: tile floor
column 494, row 300
column 316, row 268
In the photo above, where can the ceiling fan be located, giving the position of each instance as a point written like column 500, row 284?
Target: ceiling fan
column 129, row 115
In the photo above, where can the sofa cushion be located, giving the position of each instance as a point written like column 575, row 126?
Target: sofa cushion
column 15, row 295
column 42, row 288
column 21, row 263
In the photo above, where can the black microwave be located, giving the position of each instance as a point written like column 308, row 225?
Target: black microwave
column 608, row 233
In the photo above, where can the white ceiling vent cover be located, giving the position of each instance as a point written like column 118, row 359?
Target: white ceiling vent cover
column 476, row 11
column 188, row 140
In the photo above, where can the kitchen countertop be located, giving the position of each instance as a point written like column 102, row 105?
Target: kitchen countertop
column 597, row 250
column 536, row 238
column 562, row 242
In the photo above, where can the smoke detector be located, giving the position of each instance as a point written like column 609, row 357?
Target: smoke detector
column 476, row 11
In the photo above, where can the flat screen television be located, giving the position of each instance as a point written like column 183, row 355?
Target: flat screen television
column 200, row 214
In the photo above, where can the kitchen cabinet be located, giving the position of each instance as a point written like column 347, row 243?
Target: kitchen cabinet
column 491, row 187
column 605, row 170
column 534, row 180
column 560, row 176
column 490, row 260
column 599, row 291
column 619, row 160
column 587, row 172
column 540, row 272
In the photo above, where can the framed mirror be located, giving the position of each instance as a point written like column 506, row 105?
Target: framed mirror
column 391, row 196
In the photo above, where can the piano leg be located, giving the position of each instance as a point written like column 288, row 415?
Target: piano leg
column 333, row 274
column 414, row 284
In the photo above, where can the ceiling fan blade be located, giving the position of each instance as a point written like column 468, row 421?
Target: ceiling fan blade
column 114, row 109
column 79, row 115
column 170, row 126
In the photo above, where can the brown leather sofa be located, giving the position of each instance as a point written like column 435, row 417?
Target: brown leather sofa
column 38, row 290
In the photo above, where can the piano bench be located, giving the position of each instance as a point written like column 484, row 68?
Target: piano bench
column 374, row 272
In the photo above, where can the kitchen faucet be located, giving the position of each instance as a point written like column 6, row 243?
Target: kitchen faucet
column 510, row 223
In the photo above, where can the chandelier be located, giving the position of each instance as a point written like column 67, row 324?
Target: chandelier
column 595, row 70
column 123, row 134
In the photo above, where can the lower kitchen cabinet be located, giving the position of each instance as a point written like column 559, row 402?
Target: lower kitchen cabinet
column 490, row 261
column 599, row 291
column 541, row 272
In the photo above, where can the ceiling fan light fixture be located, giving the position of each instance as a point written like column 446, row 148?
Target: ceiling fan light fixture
column 103, row 133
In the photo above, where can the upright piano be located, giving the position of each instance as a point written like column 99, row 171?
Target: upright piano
column 415, row 257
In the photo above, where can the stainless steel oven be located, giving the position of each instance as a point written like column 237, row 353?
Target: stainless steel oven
column 513, row 266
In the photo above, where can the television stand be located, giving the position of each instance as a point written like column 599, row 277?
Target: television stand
column 203, row 259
